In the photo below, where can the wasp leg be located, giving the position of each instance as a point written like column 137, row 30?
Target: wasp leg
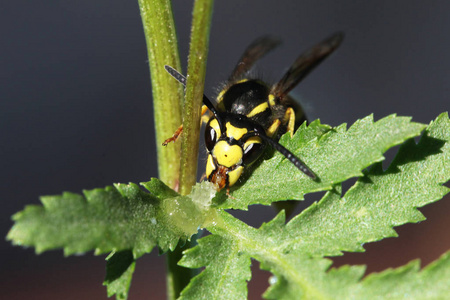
column 228, row 194
column 179, row 130
column 203, row 177
column 270, row 132
column 289, row 118
column 174, row 136
column 205, row 118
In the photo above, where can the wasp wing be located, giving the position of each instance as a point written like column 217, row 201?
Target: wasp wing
column 305, row 63
column 254, row 51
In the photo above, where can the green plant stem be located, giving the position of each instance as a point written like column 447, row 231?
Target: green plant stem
column 162, row 50
column 179, row 277
column 159, row 29
column 198, row 53
column 162, row 47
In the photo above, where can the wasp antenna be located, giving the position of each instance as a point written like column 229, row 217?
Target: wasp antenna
column 175, row 74
column 289, row 155
column 182, row 79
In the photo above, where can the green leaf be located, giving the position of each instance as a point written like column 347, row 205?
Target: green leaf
column 408, row 283
column 116, row 218
column 226, row 274
column 334, row 155
column 130, row 222
column 381, row 199
column 294, row 252
column 119, row 271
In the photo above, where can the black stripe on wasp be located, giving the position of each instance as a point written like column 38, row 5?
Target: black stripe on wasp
column 252, row 114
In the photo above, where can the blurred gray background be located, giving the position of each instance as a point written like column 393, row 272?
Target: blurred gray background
column 76, row 108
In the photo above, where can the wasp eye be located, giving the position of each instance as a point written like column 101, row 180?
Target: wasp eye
column 210, row 137
column 253, row 149
column 212, row 133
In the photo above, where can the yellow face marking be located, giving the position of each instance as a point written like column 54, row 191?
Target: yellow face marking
column 210, row 167
column 273, row 128
column 252, row 140
column 272, row 100
column 235, row 132
column 234, row 175
column 215, row 125
column 227, row 155
column 258, row 109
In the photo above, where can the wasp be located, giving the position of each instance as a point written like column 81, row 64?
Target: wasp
column 252, row 114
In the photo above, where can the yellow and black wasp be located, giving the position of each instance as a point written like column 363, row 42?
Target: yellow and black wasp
column 251, row 114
